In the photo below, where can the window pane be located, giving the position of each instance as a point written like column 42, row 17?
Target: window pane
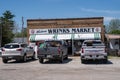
column 11, row 46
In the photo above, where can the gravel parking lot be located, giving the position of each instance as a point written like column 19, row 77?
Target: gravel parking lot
column 71, row 69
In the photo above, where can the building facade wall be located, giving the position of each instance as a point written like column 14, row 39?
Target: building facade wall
column 65, row 23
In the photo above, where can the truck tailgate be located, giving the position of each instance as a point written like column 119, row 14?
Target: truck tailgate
column 94, row 49
column 50, row 51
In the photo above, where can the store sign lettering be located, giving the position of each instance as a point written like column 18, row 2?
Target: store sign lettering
column 80, row 30
column 39, row 31
column 60, row 31
column 65, row 30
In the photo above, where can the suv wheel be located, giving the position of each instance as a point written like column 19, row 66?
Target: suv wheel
column 24, row 58
column 5, row 60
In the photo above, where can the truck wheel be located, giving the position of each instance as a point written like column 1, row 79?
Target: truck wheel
column 41, row 60
column 33, row 57
column 66, row 57
column 105, row 61
column 61, row 60
column 82, row 61
column 18, row 60
column 4, row 60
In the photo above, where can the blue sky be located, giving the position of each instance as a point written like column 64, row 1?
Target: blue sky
column 35, row 9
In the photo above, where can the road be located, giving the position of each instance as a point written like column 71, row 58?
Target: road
column 71, row 69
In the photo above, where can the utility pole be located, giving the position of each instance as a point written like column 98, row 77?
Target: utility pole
column 23, row 29
column 0, row 33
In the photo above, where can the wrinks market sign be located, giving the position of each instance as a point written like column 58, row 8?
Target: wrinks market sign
column 65, row 30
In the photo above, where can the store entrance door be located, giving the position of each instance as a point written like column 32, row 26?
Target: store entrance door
column 69, row 47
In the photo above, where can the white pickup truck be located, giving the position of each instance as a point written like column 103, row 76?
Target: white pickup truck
column 92, row 50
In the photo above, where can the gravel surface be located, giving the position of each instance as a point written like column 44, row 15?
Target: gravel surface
column 71, row 69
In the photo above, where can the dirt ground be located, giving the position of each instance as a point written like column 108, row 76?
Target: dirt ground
column 71, row 69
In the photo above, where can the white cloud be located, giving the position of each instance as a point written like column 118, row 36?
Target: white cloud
column 101, row 11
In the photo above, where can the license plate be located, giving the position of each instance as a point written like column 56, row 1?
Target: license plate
column 9, row 57
column 93, row 57
column 49, row 56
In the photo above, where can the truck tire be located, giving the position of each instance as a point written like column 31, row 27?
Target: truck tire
column 41, row 60
column 33, row 57
column 82, row 61
column 4, row 60
column 18, row 59
column 105, row 61
column 66, row 57
column 61, row 59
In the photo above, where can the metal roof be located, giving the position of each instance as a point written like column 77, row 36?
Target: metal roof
column 112, row 36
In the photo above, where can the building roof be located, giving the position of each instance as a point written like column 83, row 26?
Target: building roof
column 113, row 36
column 64, row 19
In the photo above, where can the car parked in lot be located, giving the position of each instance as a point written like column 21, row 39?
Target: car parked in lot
column 17, row 51
column 52, row 50
column 93, row 49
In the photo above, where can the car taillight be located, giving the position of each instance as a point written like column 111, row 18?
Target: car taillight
column 82, row 50
column 19, row 49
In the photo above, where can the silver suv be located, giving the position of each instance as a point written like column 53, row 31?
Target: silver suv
column 17, row 51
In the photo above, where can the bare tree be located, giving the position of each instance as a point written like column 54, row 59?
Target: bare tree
column 114, row 25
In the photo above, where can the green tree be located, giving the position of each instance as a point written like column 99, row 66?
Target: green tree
column 7, row 24
column 22, row 33
column 106, row 29
column 115, row 32
column 114, row 26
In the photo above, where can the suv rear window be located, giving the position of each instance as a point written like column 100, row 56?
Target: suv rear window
column 11, row 46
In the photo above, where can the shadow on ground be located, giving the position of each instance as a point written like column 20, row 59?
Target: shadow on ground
column 97, row 62
column 17, row 62
column 57, row 61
